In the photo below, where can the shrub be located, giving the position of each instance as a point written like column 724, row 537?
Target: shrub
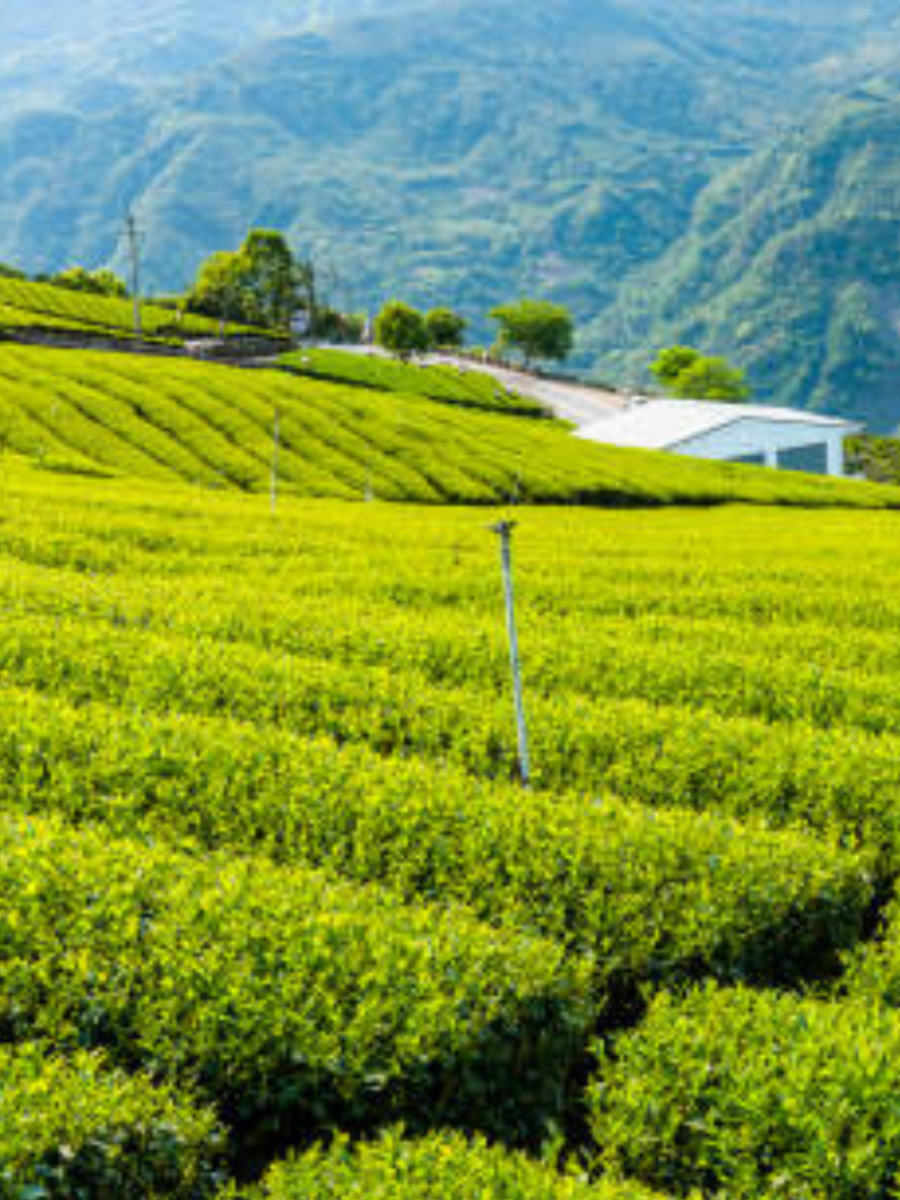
column 755, row 1094
column 293, row 1002
column 71, row 1129
column 443, row 1166
column 738, row 901
column 874, row 969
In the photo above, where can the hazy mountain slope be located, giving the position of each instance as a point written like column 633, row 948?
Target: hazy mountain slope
column 447, row 150
column 97, row 52
column 463, row 153
column 791, row 265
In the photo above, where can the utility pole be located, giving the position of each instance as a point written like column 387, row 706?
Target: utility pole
column 135, row 238
column 504, row 531
column 276, row 441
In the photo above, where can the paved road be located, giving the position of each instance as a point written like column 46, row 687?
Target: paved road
column 573, row 402
column 569, row 401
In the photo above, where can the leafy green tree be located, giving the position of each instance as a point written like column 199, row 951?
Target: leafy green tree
column 401, row 329
column 671, row 362
column 445, row 327
column 262, row 283
column 690, row 375
column 222, row 289
column 271, row 272
column 335, row 326
column 535, row 328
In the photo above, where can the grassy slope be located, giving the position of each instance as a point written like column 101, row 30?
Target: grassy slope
column 174, row 420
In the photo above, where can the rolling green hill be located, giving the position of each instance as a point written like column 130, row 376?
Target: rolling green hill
column 176, row 420
column 792, row 266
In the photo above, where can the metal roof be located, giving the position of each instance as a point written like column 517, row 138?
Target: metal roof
column 662, row 424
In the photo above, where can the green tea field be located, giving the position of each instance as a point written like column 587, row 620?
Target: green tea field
column 470, row 387
column 276, row 919
column 24, row 304
column 173, row 420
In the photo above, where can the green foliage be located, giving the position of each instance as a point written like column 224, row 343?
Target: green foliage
column 221, row 290
column 670, row 363
column 443, row 1165
column 45, row 305
column 271, row 276
column 875, row 458
column 735, row 901
column 468, row 387
column 334, row 326
column 259, row 284
column 294, row 1003
column 97, row 283
column 712, row 379
column 401, row 329
column 535, row 329
column 788, row 264
column 221, row 702
column 874, row 970
column 446, row 328
column 690, row 375
column 69, row 1128
column 750, row 1094
column 170, row 420
column 433, row 198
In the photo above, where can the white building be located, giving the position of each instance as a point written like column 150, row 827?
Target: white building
column 784, row 438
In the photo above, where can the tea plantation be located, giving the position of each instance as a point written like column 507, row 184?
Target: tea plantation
column 27, row 305
column 174, row 420
column 277, row 921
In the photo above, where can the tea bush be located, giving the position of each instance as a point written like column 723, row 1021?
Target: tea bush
column 443, row 1165
column 72, row 1128
column 751, row 1094
column 292, row 1002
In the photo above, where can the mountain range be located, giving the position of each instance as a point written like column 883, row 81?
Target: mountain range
column 705, row 171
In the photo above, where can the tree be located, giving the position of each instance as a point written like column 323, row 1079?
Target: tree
column 536, row 328
column 671, row 362
column 262, row 283
column 445, row 327
column 401, row 329
column 222, row 290
column 272, row 274
column 690, row 375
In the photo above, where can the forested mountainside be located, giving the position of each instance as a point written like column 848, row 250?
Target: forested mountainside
column 792, row 265
column 448, row 151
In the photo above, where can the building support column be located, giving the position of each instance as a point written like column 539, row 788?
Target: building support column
column 835, row 446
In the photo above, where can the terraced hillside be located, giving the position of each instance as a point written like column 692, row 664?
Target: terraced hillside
column 469, row 387
column 27, row 305
column 179, row 421
column 264, row 872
